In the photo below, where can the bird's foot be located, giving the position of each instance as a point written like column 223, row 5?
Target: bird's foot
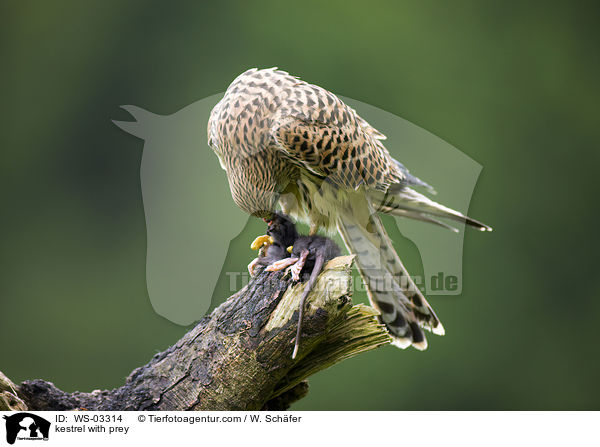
column 261, row 241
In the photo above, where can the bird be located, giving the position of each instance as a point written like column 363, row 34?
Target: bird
column 289, row 145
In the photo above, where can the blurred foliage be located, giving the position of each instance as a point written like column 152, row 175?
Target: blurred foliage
column 514, row 85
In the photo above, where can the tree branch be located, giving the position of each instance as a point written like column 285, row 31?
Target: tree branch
column 237, row 358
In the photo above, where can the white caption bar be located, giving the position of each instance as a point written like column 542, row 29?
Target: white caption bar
column 76, row 428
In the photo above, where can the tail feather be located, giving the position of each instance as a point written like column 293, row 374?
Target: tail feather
column 406, row 202
column 417, row 216
column 404, row 309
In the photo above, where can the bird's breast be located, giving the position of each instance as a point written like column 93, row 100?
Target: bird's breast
column 314, row 202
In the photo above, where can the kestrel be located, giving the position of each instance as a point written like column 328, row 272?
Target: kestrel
column 290, row 145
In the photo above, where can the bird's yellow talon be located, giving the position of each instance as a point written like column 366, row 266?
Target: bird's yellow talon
column 260, row 241
column 290, row 248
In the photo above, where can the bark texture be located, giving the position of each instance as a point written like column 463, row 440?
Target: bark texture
column 237, row 358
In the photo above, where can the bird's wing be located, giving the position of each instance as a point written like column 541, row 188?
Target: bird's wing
column 317, row 131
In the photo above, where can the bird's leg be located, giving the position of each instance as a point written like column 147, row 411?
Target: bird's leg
column 281, row 264
column 297, row 267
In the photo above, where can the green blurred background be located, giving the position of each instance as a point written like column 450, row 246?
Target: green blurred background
column 514, row 85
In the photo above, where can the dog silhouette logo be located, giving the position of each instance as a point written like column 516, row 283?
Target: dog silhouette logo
column 192, row 221
column 26, row 426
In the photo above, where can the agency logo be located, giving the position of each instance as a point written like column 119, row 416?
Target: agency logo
column 26, row 426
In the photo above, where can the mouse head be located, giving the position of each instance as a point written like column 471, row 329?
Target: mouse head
column 281, row 229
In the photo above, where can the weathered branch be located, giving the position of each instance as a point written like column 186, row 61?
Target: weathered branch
column 239, row 356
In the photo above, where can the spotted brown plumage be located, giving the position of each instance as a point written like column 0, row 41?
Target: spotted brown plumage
column 288, row 144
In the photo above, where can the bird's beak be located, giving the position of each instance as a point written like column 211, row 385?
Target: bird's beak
column 290, row 248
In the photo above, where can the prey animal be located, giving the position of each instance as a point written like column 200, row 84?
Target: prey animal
column 302, row 256
column 275, row 245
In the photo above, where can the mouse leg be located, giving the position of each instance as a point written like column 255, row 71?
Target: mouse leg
column 297, row 267
column 281, row 264
column 252, row 266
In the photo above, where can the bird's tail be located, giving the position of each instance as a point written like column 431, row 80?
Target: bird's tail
column 406, row 202
column 404, row 310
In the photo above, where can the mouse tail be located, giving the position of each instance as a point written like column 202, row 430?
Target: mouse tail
column 319, row 262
